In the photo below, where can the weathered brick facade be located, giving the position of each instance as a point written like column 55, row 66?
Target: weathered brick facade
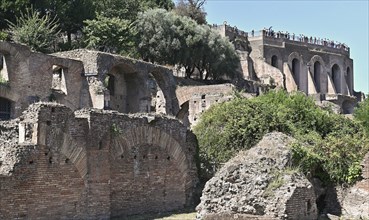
column 96, row 165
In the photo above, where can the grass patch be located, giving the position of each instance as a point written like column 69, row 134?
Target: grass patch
column 278, row 180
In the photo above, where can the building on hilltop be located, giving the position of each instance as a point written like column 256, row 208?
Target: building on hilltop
column 320, row 68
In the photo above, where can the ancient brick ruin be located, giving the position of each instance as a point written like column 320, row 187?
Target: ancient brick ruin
column 93, row 164
column 124, row 157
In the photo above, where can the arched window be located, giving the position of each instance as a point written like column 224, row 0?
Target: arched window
column 317, row 75
column 296, row 71
column 59, row 82
column 275, row 61
column 4, row 109
column 336, row 77
column 3, row 69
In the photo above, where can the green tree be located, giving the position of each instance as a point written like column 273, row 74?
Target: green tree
column 193, row 9
column 38, row 32
column 108, row 34
column 165, row 4
column 167, row 38
column 70, row 14
column 129, row 9
column 111, row 29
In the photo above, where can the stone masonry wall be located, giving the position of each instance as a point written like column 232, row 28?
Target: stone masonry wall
column 139, row 86
column 31, row 78
column 94, row 164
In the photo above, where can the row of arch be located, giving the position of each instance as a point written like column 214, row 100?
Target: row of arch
column 318, row 74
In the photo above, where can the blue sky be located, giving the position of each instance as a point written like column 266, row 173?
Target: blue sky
column 338, row 20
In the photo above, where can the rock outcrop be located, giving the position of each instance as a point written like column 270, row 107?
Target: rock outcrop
column 258, row 184
column 355, row 201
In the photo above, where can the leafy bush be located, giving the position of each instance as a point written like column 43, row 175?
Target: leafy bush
column 38, row 32
column 3, row 35
column 361, row 114
column 108, row 34
column 329, row 146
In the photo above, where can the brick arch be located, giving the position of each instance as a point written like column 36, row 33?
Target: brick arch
column 147, row 166
column 75, row 153
column 13, row 50
column 184, row 96
column 165, row 92
column 294, row 55
column 274, row 52
column 151, row 136
column 314, row 59
column 7, row 93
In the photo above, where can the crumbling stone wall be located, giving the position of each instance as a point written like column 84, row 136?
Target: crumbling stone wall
column 194, row 100
column 138, row 86
column 31, row 76
column 94, row 164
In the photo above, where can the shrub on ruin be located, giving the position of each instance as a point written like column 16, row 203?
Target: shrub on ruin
column 36, row 31
column 108, row 34
column 361, row 114
column 329, row 146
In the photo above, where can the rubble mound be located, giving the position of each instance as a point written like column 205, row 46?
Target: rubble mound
column 260, row 182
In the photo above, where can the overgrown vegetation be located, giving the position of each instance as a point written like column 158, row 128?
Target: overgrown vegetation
column 278, row 180
column 329, row 146
column 362, row 113
column 38, row 32
column 154, row 30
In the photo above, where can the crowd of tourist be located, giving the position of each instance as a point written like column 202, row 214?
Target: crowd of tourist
column 269, row 32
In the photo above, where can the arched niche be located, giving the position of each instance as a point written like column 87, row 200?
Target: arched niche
column 127, row 90
column 296, row 72
column 336, row 77
column 274, row 61
column 317, row 76
column 295, row 61
column 274, row 58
